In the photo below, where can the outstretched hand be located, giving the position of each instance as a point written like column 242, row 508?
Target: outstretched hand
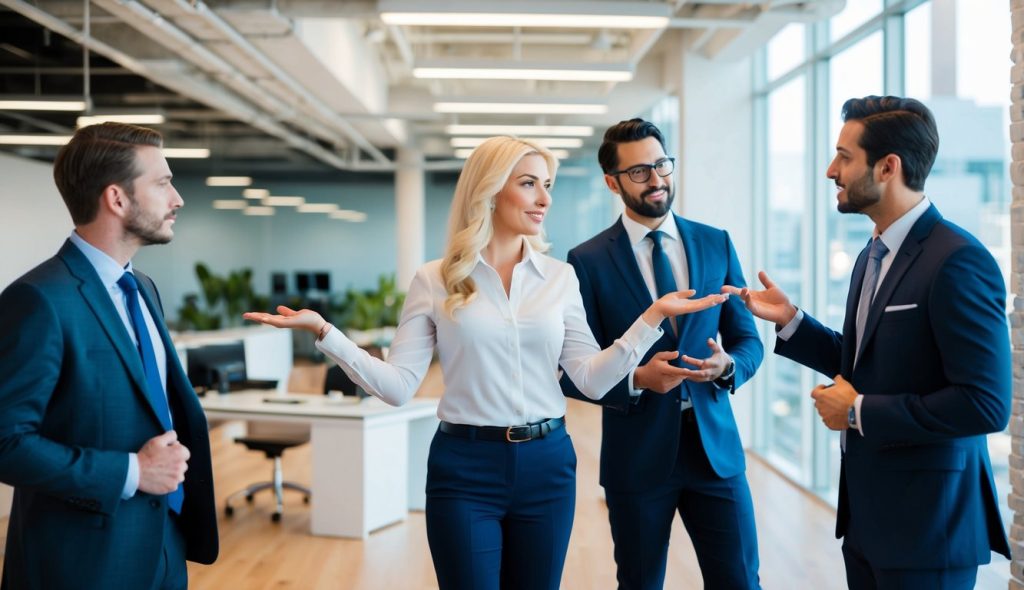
column 303, row 319
column 771, row 304
column 679, row 303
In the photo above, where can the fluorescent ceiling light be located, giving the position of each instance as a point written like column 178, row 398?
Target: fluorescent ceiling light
column 276, row 201
column 317, row 208
column 228, row 180
column 521, row 130
column 41, row 105
column 132, row 119
column 255, row 193
column 552, row 108
column 230, row 204
column 348, row 215
column 548, row 142
column 566, row 21
column 34, row 139
column 573, row 74
column 186, row 153
column 463, row 153
column 261, row 211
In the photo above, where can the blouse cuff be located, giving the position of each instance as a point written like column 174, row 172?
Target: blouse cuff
column 640, row 336
column 335, row 344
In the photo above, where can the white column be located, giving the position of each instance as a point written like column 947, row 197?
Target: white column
column 1016, row 500
column 944, row 28
column 409, row 211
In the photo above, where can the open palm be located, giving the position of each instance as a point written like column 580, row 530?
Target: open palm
column 771, row 304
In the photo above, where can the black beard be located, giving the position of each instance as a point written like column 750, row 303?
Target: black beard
column 642, row 207
column 860, row 194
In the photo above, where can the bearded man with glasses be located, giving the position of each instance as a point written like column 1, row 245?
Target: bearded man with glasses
column 670, row 442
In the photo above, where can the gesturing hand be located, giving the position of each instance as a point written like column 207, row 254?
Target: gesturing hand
column 162, row 464
column 771, row 304
column 658, row 375
column 304, row 319
column 679, row 303
column 710, row 368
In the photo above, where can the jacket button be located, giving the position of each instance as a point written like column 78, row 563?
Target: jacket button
column 154, row 503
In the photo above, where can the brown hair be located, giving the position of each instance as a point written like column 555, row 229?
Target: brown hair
column 96, row 157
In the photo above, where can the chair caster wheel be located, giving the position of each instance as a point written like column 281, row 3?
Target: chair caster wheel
column 275, row 517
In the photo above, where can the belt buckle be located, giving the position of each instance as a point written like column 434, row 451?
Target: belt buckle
column 511, row 429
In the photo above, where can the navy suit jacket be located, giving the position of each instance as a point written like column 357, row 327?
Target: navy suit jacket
column 72, row 406
column 934, row 369
column 641, row 437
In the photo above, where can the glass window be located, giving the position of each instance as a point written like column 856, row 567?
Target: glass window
column 787, row 202
column 917, row 53
column 856, row 13
column 786, row 50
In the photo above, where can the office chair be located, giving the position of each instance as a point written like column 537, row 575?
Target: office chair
column 337, row 380
column 273, row 448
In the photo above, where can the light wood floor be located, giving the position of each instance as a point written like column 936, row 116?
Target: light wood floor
column 797, row 547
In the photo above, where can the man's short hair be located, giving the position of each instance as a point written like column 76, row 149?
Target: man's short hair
column 624, row 132
column 900, row 126
column 96, row 157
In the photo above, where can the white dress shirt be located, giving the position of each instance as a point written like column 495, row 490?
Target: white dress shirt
column 893, row 238
column 643, row 250
column 501, row 354
column 109, row 272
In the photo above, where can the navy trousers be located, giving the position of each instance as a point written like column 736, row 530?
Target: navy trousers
column 499, row 514
column 172, row 573
column 718, row 515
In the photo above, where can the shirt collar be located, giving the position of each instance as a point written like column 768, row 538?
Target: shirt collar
column 895, row 234
column 637, row 231
column 530, row 256
column 106, row 267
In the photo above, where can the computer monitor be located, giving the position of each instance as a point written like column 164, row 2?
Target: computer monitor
column 303, row 282
column 322, row 281
column 278, row 283
column 216, row 366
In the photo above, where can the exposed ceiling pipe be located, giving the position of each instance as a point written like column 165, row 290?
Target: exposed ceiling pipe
column 322, row 111
column 160, row 30
column 211, row 97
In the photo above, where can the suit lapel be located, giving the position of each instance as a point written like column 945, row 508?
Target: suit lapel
column 622, row 256
column 901, row 263
column 694, row 252
column 96, row 297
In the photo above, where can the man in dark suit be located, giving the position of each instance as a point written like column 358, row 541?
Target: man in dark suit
column 921, row 368
column 669, row 442
column 98, row 422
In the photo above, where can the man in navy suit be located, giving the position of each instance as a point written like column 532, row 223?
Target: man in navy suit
column 669, row 442
column 98, row 422
column 921, row 368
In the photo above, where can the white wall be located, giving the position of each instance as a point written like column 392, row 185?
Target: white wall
column 35, row 222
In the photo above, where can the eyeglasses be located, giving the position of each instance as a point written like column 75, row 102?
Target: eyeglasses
column 642, row 172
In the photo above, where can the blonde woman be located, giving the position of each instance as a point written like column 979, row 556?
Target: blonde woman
column 503, row 317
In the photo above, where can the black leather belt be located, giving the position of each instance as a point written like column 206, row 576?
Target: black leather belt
column 512, row 434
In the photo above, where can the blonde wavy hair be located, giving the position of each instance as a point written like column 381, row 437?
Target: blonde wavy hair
column 471, row 221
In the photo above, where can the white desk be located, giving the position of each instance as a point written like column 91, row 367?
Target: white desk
column 369, row 458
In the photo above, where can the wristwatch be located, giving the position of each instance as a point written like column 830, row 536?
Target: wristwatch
column 851, row 417
column 724, row 380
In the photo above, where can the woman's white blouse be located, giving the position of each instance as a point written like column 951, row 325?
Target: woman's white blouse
column 500, row 356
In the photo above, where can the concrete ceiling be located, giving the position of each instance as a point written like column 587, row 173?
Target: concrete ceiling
column 294, row 85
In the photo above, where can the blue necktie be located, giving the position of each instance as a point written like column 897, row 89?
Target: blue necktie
column 867, row 291
column 154, row 386
column 664, row 282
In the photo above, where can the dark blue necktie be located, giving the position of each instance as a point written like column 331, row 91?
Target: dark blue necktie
column 154, row 386
column 664, row 281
